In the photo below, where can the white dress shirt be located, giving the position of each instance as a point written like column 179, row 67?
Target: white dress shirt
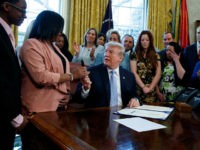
column 9, row 31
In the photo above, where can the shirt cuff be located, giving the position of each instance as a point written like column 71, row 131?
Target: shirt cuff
column 84, row 93
column 17, row 121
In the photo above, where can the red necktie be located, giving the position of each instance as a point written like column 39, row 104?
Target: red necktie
column 199, row 54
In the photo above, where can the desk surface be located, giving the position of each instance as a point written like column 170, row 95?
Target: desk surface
column 90, row 129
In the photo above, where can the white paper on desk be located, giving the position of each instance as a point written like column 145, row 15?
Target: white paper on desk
column 139, row 124
column 156, row 108
column 144, row 113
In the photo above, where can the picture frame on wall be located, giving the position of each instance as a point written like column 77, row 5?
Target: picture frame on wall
column 197, row 23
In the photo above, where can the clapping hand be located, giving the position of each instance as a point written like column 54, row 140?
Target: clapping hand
column 76, row 48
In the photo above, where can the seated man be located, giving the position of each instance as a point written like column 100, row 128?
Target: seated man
column 98, row 90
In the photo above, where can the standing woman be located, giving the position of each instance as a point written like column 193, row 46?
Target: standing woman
column 173, row 73
column 88, row 51
column 101, row 40
column 63, row 45
column 145, row 65
column 45, row 75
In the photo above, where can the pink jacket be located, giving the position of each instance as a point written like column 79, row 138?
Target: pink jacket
column 44, row 67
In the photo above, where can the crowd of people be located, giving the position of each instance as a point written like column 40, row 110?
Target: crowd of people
column 114, row 71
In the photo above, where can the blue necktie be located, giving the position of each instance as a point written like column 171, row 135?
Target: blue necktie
column 113, row 89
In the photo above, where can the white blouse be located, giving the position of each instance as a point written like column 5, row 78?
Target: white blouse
column 85, row 55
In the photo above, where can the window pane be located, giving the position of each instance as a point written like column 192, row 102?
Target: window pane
column 129, row 16
column 34, row 7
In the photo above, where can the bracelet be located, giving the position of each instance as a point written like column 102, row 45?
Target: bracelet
column 71, row 76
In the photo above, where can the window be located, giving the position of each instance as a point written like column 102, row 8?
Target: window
column 129, row 16
column 34, row 7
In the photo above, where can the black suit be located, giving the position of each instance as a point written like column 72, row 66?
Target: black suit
column 9, row 90
column 190, row 59
column 99, row 94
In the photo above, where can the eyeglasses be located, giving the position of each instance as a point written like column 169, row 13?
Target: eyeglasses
column 23, row 11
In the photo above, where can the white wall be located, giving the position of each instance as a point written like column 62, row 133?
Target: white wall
column 193, row 15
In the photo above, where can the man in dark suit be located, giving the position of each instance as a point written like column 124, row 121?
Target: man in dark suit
column 167, row 38
column 190, row 57
column 96, row 89
column 11, row 12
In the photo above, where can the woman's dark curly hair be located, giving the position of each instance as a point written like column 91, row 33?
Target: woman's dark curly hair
column 151, row 52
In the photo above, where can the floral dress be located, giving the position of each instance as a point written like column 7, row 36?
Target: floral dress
column 167, row 84
column 146, row 72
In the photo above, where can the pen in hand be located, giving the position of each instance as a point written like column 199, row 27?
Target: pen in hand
column 82, row 63
column 87, row 80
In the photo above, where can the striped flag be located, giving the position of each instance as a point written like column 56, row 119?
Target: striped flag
column 184, row 29
column 107, row 21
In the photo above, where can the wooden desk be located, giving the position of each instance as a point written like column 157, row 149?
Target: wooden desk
column 89, row 129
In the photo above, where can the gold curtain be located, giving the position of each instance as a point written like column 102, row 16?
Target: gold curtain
column 85, row 14
column 159, row 19
column 176, row 20
column 15, row 32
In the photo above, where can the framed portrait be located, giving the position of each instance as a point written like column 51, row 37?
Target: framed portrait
column 197, row 23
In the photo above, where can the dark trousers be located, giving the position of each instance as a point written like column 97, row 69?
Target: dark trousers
column 33, row 139
column 7, row 135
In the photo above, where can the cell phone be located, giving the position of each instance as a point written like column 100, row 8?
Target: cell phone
column 82, row 63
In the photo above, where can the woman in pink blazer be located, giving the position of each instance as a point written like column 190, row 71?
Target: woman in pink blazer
column 45, row 72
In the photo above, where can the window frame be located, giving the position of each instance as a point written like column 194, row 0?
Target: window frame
column 144, row 24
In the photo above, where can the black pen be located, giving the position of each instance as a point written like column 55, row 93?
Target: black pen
column 82, row 63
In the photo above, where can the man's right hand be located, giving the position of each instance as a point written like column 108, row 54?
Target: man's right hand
column 86, row 82
column 80, row 72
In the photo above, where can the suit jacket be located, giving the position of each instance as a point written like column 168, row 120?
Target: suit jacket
column 41, row 69
column 126, row 61
column 190, row 59
column 99, row 94
column 9, row 79
column 195, row 79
